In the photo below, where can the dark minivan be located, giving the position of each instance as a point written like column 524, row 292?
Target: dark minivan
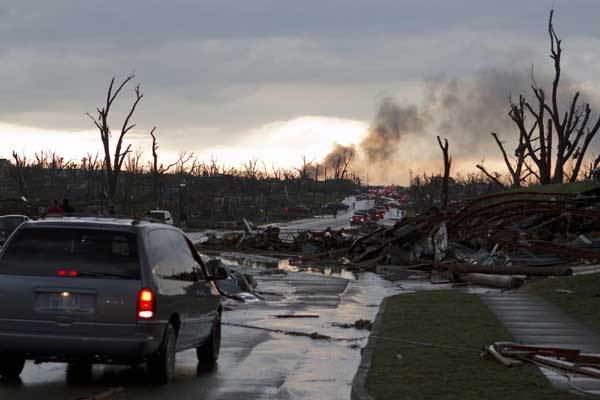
column 91, row 290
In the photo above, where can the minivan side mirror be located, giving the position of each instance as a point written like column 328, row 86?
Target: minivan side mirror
column 216, row 270
column 220, row 274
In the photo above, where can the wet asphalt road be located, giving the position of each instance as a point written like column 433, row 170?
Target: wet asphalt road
column 254, row 364
column 342, row 220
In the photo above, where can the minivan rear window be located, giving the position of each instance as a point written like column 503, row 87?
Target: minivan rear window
column 58, row 252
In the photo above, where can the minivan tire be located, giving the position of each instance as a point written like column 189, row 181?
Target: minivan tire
column 208, row 352
column 161, row 366
column 11, row 365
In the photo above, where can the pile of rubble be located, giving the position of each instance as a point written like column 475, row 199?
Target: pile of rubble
column 496, row 240
column 273, row 239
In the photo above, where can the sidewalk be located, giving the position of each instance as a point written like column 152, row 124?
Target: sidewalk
column 532, row 320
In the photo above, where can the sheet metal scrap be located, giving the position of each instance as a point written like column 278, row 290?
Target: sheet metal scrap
column 565, row 359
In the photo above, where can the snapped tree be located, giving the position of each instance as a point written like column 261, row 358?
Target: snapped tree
column 160, row 169
column 550, row 137
column 113, row 163
column 447, row 165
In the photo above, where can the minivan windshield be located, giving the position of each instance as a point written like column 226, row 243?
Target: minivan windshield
column 72, row 252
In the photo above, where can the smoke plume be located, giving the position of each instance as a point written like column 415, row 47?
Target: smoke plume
column 464, row 111
column 392, row 123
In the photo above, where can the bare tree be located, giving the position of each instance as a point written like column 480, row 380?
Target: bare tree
column 251, row 169
column 213, row 168
column 113, row 162
column 570, row 128
column 494, row 177
column 305, row 169
column 340, row 162
column 134, row 168
column 17, row 172
column 515, row 165
column 590, row 167
column 183, row 159
column 41, row 160
column 90, row 164
column 277, row 173
column 447, row 165
column 156, row 169
column 195, row 167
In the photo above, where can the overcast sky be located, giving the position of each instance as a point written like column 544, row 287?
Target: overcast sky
column 269, row 79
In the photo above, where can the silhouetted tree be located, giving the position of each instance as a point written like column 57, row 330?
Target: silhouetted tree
column 447, row 165
column 554, row 136
column 113, row 163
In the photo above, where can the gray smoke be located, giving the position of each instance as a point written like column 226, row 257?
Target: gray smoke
column 467, row 111
column 464, row 111
column 392, row 122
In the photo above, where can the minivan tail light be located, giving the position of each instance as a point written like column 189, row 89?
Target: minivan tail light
column 145, row 307
column 67, row 272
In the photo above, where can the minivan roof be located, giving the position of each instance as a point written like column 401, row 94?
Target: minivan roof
column 106, row 222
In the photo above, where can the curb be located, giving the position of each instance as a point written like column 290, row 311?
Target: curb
column 359, row 383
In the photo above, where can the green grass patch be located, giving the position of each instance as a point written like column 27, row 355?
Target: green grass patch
column 450, row 319
column 582, row 304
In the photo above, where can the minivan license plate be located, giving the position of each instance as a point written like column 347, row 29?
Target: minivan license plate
column 61, row 302
column 64, row 302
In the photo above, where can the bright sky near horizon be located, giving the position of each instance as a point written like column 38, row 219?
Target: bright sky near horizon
column 278, row 80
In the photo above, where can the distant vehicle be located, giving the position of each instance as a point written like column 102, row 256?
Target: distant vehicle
column 376, row 213
column 162, row 216
column 359, row 218
column 8, row 223
column 297, row 210
column 94, row 290
column 331, row 207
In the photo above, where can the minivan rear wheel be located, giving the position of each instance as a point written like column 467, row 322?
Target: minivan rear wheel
column 208, row 352
column 161, row 366
column 11, row 365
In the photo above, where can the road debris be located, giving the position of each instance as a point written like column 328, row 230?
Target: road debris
column 296, row 316
column 360, row 324
column 314, row 244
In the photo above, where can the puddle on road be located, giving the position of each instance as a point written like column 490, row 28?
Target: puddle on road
column 310, row 369
column 264, row 264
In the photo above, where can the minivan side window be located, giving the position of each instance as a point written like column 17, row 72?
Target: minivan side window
column 169, row 256
column 186, row 255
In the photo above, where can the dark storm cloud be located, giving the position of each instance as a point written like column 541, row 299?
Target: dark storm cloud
column 211, row 69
